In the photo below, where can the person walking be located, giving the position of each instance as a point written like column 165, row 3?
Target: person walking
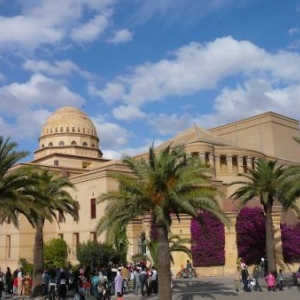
column 20, row 281
column 144, row 282
column 245, row 279
column 118, row 284
column 62, row 282
column 280, row 280
column 256, row 276
column 8, row 280
column 136, row 282
column 154, row 286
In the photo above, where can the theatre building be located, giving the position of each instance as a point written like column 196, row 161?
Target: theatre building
column 69, row 144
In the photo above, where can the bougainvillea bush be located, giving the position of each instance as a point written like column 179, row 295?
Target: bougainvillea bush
column 290, row 237
column 251, row 234
column 208, row 242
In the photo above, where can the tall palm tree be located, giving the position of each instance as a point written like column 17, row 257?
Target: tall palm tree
column 268, row 181
column 51, row 201
column 168, row 183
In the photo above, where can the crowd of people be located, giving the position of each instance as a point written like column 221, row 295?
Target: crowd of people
column 103, row 281
column 260, row 275
column 16, row 282
column 100, row 281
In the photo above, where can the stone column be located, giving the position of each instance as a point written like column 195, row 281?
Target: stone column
column 217, row 164
column 249, row 162
column 240, row 164
column 211, row 160
column 255, row 161
column 230, row 246
column 229, row 163
column 202, row 157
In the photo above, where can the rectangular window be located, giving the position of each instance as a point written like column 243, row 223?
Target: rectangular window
column 93, row 208
column 75, row 239
column 60, row 236
column 60, row 217
column 8, row 247
column 93, row 236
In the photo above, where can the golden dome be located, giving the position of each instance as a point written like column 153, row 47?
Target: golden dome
column 69, row 120
column 69, row 131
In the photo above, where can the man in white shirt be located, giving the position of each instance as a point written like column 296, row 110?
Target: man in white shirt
column 154, row 285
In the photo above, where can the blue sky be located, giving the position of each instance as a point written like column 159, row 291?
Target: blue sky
column 144, row 70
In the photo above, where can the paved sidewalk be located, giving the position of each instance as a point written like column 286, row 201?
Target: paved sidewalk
column 211, row 288
column 221, row 288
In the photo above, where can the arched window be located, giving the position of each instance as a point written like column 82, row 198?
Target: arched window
column 73, row 129
column 56, row 163
column 42, row 146
column 56, row 130
column 93, row 145
column 73, row 143
column 83, row 130
column 67, row 129
column 61, row 129
column 84, row 144
column 50, row 130
column 78, row 129
column 61, row 143
column 50, row 144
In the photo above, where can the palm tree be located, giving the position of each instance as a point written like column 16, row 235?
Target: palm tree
column 168, row 183
column 12, row 183
column 51, row 201
column 269, row 181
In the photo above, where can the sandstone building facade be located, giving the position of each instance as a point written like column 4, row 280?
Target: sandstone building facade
column 69, row 143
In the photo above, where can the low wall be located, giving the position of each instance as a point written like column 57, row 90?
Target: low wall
column 210, row 271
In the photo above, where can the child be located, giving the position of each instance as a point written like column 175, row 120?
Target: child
column 271, row 282
column 280, row 279
column 120, row 296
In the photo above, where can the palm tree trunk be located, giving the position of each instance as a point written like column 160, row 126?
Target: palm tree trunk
column 38, row 258
column 164, row 265
column 270, row 241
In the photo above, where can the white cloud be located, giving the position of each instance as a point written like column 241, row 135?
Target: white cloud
column 128, row 112
column 196, row 67
column 58, row 68
column 49, row 22
column 292, row 31
column 170, row 124
column 253, row 97
column 91, row 30
column 39, row 90
column 170, row 11
column 27, row 124
column 121, row 36
column 111, row 135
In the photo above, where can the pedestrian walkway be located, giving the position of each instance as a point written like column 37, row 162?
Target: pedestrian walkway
column 216, row 288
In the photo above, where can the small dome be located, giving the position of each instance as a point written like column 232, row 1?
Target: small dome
column 69, row 120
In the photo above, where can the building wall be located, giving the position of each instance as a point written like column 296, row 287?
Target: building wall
column 268, row 133
column 262, row 136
